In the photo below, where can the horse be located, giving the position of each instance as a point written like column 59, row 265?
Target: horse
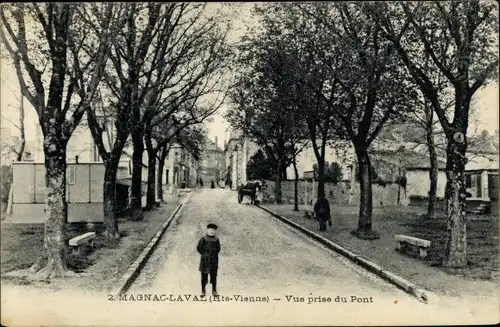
column 250, row 189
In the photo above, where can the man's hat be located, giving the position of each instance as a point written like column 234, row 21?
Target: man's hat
column 213, row 226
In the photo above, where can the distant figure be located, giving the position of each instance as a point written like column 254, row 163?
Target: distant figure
column 209, row 248
column 201, row 182
column 322, row 211
column 212, row 185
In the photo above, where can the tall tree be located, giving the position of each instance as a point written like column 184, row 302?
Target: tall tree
column 189, row 51
column 164, row 130
column 44, row 49
column 309, row 81
column 108, row 124
column 263, row 108
column 373, row 87
column 460, row 38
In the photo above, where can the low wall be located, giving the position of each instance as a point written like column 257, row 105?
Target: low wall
column 339, row 193
column 33, row 213
column 422, row 201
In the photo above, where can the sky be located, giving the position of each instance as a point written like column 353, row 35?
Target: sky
column 487, row 98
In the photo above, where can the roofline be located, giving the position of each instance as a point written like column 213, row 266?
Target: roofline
column 490, row 170
column 424, row 168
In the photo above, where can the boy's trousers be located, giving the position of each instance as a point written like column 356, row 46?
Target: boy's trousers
column 213, row 280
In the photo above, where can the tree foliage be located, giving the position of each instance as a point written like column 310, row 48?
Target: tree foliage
column 262, row 105
column 260, row 166
column 333, row 172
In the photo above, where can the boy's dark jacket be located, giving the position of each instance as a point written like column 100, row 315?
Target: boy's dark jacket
column 209, row 248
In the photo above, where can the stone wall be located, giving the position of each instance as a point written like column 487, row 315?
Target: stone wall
column 335, row 193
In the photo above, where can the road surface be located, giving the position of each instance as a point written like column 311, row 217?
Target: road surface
column 259, row 255
column 262, row 257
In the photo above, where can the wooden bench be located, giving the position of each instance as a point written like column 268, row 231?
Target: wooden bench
column 405, row 242
column 79, row 241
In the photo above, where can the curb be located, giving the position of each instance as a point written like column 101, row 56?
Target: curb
column 134, row 269
column 407, row 286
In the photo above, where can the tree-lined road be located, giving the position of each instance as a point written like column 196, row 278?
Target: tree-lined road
column 259, row 256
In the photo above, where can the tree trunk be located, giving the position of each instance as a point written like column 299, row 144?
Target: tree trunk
column 278, row 193
column 136, row 200
column 22, row 130
column 456, row 241
column 364, row 229
column 109, row 199
column 433, row 172
column 321, row 177
column 151, row 196
column 285, row 177
column 296, row 187
column 433, row 175
column 56, row 208
column 161, row 167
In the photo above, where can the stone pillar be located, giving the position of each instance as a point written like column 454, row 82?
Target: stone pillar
column 244, row 161
column 484, row 186
column 234, row 168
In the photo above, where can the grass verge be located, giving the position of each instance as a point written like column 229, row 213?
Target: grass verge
column 21, row 245
column 479, row 278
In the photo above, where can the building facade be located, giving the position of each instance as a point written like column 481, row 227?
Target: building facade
column 238, row 151
column 181, row 168
column 212, row 162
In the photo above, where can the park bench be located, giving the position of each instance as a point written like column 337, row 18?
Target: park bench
column 405, row 242
column 79, row 241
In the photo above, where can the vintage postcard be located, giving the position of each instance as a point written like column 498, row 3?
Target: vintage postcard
column 249, row 164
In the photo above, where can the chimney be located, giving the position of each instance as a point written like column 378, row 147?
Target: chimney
column 216, row 142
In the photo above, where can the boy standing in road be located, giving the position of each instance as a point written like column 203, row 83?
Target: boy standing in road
column 209, row 248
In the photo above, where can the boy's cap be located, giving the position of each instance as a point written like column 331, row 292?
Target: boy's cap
column 213, row 226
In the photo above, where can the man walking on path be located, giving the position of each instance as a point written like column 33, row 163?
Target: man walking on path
column 322, row 211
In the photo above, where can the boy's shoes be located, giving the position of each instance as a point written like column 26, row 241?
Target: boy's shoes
column 214, row 293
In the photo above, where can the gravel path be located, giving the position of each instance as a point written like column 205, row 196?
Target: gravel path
column 260, row 256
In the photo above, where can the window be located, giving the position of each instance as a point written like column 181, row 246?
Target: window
column 70, row 175
column 468, row 181
column 348, row 174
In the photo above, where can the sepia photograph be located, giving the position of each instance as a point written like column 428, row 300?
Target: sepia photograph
column 249, row 164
